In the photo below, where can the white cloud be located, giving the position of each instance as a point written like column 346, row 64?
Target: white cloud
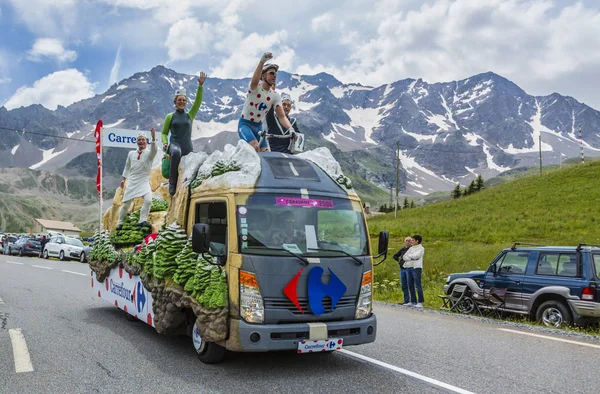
column 51, row 48
column 446, row 40
column 244, row 56
column 114, row 72
column 46, row 17
column 5, row 80
column 95, row 38
column 322, row 22
column 60, row 88
column 188, row 38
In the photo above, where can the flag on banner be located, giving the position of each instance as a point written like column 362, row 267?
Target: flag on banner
column 98, row 155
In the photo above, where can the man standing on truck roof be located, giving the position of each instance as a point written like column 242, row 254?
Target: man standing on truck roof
column 137, row 170
column 259, row 100
column 414, row 264
column 279, row 138
column 403, row 271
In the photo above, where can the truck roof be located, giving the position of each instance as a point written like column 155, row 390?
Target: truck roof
column 285, row 172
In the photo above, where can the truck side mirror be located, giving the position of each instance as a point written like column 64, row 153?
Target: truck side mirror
column 201, row 238
column 384, row 239
column 494, row 269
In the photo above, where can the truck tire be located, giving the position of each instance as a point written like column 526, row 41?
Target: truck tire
column 554, row 314
column 208, row 352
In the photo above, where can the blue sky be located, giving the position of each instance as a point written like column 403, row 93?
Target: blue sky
column 61, row 51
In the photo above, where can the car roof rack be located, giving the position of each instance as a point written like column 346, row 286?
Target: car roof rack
column 580, row 246
column 523, row 244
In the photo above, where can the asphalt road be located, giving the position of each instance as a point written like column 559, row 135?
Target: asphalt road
column 70, row 341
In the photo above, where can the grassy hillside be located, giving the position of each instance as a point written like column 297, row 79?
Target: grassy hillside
column 28, row 194
column 557, row 208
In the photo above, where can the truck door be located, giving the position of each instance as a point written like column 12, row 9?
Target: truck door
column 510, row 272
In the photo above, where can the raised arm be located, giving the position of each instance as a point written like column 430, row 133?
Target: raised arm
column 198, row 99
column 153, row 148
column 258, row 72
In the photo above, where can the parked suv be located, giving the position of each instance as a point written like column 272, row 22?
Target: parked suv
column 558, row 285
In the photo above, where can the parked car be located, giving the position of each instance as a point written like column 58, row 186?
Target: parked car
column 25, row 247
column 9, row 240
column 65, row 248
column 556, row 285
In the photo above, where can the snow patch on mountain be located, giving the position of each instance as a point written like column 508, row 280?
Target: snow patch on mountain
column 367, row 118
column 472, row 138
column 420, row 137
column 537, row 129
column 212, row 128
column 121, row 87
column 14, row 149
column 490, row 160
column 108, row 97
column 46, row 156
column 118, row 122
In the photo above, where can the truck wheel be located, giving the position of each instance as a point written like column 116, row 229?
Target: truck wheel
column 208, row 352
column 554, row 314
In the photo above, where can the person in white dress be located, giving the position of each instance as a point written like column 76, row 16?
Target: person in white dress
column 137, row 174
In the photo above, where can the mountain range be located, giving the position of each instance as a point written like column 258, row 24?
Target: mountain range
column 447, row 132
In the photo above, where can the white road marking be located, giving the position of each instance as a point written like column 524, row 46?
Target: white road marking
column 405, row 372
column 14, row 262
column 73, row 272
column 41, row 266
column 550, row 338
column 20, row 351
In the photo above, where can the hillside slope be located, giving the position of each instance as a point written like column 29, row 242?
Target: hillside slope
column 28, row 194
column 556, row 208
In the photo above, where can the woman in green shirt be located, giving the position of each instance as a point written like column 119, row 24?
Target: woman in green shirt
column 179, row 123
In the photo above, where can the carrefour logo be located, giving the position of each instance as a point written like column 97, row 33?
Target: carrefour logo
column 317, row 290
column 141, row 297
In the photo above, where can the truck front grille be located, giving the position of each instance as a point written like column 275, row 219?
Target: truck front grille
column 282, row 303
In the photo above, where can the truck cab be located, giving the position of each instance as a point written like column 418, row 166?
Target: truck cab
column 297, row 256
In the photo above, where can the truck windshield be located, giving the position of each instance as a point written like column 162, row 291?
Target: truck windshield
column 304, row 226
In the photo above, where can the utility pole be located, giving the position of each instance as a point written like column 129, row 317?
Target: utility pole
column 397, row 177
column 540, row 153
column 581, row 143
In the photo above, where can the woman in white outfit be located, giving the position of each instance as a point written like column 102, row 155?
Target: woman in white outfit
column 137, row 172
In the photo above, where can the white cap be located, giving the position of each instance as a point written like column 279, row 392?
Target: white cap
column 285, row 96
column 180, row 92
column 142, row 134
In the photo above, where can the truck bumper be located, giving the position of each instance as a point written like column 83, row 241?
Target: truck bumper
column 268, row 337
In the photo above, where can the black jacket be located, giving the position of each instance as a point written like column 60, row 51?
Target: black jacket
column 399, row 254
column 274, row 128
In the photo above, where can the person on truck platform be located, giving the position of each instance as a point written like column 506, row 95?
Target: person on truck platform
column 275, row 132
column 260, row 99
column 137, row 172
column 179, row 123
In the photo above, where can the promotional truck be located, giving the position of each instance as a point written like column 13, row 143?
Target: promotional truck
column 259, row 252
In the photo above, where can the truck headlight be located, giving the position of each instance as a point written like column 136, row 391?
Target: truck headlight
column 251, row 303
column 365, row 298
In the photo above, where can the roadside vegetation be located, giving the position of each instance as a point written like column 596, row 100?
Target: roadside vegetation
column 559, row 207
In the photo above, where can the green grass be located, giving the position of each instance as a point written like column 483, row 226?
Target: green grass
column 557, row 208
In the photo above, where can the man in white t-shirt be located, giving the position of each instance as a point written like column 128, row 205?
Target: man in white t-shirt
column 259, row 100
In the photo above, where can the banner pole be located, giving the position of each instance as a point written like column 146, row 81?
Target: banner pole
column 101, row 163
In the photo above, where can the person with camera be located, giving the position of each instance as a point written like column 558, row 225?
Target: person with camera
column 403, row 271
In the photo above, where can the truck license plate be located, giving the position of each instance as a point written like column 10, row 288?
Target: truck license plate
column 321, row 345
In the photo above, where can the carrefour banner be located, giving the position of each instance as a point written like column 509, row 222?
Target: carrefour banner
column 122, row 138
